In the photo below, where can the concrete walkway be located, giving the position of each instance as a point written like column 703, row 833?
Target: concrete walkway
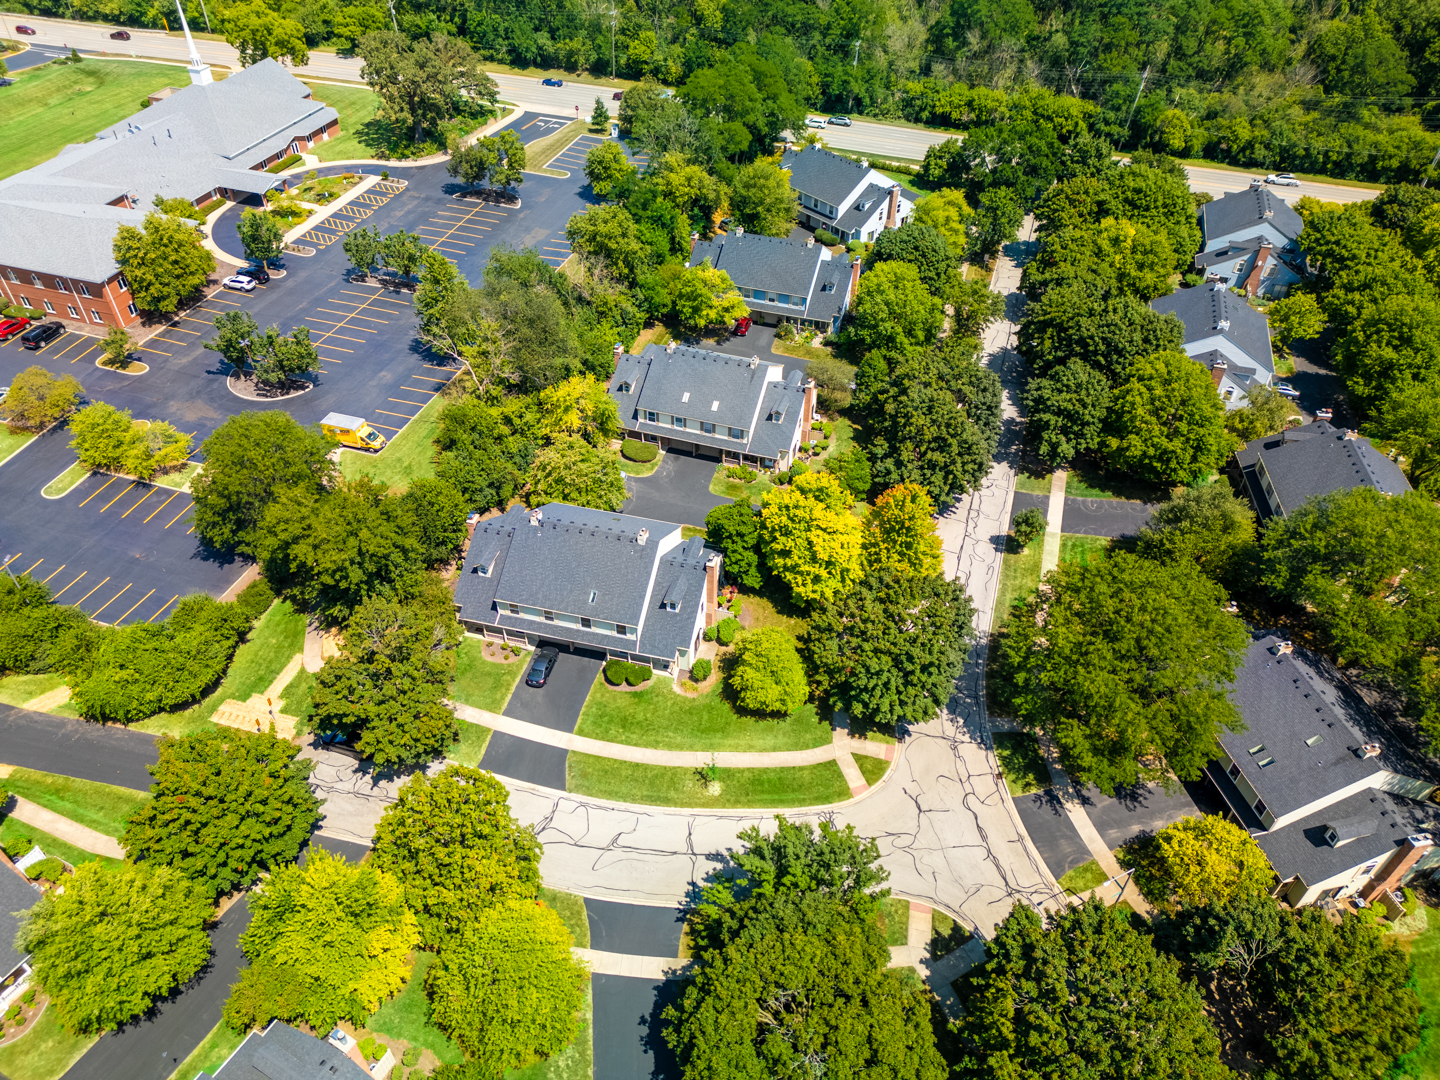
column 1054, row 521
column 72, row 832
column 633, row 967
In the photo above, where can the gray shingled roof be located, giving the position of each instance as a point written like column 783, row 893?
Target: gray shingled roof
column 17, row 895
column 62, row 238
column 1246, row 209
column 281, row 1052
column 1204, row 308
column 854, row 216
column 1317, row 459
column 1226, row 252
column 780, row 265
column 680, row 577
column 771, row 438
column 1301, row 848
column 825, row 175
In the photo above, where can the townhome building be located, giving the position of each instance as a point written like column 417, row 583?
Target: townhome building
column 1226, row 336
column 1251, row 243
column 784, row 280
column 1280, row 472
column 845, row 197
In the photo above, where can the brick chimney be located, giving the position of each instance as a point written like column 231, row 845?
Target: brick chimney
column 808, row 415
column 854, row 279
column 694, row 239
column 1390, row 873
column 1252, row 281
column 617, row 352
column 712, row 588
column 893, row 207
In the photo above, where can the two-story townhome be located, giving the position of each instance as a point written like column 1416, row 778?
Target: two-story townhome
column 1251, row 242
column 590, row 579
column 1226, row 336
column 847, row 198
column 1337, row 809
column 1282, row 471
column 798, row 281
column 736, row 409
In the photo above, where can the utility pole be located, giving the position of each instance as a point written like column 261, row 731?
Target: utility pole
column 207, row 17
column 393, row 23
column 1138, row 92
column 1425, row 180
column 850, row 100
column 613, row 14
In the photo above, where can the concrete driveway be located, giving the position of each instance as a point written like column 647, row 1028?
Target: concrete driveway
column 555, row 705
column 679, row 490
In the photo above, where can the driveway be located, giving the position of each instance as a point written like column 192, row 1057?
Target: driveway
column 1144, row 808
column 757, row 342
column 629, row 1044
column 108, row 754
column 1025, row 500
column 634, row 929
column 678, row 491
column 1051, row 832
column 1105, row 517
column 556, row 705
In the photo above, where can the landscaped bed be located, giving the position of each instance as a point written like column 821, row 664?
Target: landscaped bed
column 45, row 1052
column 664, row 785
column 12, row 829
column 324, row 189
column 657, row 717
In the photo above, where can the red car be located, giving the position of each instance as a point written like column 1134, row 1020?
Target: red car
column 617, row 95
column 120, row 35
column 10, row 327
column 742, row 326
column 25, row 30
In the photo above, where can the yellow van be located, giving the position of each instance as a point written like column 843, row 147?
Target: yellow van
column 352, row 431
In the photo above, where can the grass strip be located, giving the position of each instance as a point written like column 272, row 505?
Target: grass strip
column 18, row 689
column 1083, row 878
column 11, row 441
column 407, row 1016
column 894, row 920
column 1423, row 1063
column 481, row 683
column 65, row 481
column 470, row 748
column 212, row 1052
column 571, row 909
column 665, row 785
column 541, row 152
column 102, row 807
column 1019, row 579
column 180, row 477
column 1032, row 485
column 12, row 828
column 45, row 1052
column 407, row 457
column 872, row 768
column 1021, row 762
column 1079, row 548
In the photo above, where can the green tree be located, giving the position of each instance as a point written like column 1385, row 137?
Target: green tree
column 38, row 399
column 261, row 235
column 474, row 163
column 164, row 261
column 102, row 436
column 509, row 171
column 225, row 807
column 281, row 359
column 117, row 347
column 607, row 167
column 507, row 989
column 1167, row 421
column 1124, row 663
column 425, row 81
column 1067, row 410
column 810, row 539
column 893, row 310
column 452, row 842
column 609, row 234
column 1082, row 994
column 947, row 212
column 900, row 532
column 996, row 223
column 1392, row 340
column 852, row 468
column 767, row 675
column 237, row 337
column 600, row 115
column 734, row 530
column 1359, row 56
column 889, row 650
column 404, row 252
column 570, row 470
column 327, row 941
column 918, row 435
column 157, row 447
column 1207, row 526
column 704, row 296
column 1085, row 324
column 1265, row 412
column 974, row 303
column 437, row 512
column 1028, row 526
column 362, row 247
column 114, row 942
column 1204, row 860
column 1296, row 317
column 258, row 33
column 922, row 246
column 249, row 460
column 1117, row 255
column 1409, row 423
column 580, row 406
column 763, row 200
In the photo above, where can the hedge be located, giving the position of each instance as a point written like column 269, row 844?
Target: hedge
column 637, row 451
column 15, row 311
column 700, row 670
column 51, row 869
column 726, row 631
column 286, row 163
column 622, row 671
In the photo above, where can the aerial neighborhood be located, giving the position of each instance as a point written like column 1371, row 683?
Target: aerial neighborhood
column 692, row 542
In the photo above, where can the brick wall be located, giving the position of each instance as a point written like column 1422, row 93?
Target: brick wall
column 108, row 303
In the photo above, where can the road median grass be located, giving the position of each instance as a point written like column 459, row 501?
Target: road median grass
column 102, row 807
column 663, row 785
column 66, row 481
column 407, row 457
column 1019, row 578
column 12, row 441
column 18, row 689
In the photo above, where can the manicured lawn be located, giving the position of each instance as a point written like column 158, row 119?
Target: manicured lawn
column 571, row 909
column 18, row 689
column 211, row 1053
column 540, row 152
column 1033, row 485
column 51, row 107
column 1078, row 548
column 663, row 785
column 660, row 718
column 640, row 468
column 872, row 768
column 12, row 441
column 180, row 477
column 361, row 135
column 12, row 828
column 689, row 532
column 575, row 1062
column 1083, row 878
column 45, row 1052
column 759, row 610
column 407, row 457
column 297, row 695
column 1085, row 481
column 103, row 807
column 739, row 490
column 471, row 746
column 894, row 919
column 1019, row 578
column 274, row 641
column 481, row 683
column 65, row 481
column 407, row 1016
column 802, row 352
column 1423, row 1063
column 1021, row 762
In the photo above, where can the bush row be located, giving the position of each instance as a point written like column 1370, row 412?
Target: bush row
column 622, row 671
column 724, row 631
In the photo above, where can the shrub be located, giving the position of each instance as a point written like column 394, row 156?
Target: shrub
column 255, row 599
column 28, row 997
column 829, row 239
column 13, row 1012
column 710, row 633
column 700, row 670
column 51, row 869
column 741, row 472
column 782, row 476
column 642, row 452
column 1027, row 525
column 637, row 674
column 285, row 163
column 19, row 847
column 411, row 1056
column 823, row 445
column 726, row 630
column 615, row 671
column 768, row 676
column 736, row 606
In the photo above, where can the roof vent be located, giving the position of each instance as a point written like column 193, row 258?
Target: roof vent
column 685, row 398
column 642, row 536
column 670, row 348
column 739, row 230
column 714, row 405
column 1282, row 648
column 754, row 361
column 1369, row 750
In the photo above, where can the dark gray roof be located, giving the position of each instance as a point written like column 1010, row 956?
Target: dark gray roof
column 787, row 399
column 1239, row 210
column 827, row 176
column 1225, row 252
column 862, row 208
column 1317, row 459
column 826, row 304
column 1302, row 849
column 281, row 1052
column 679, row 578
column 1205, row 309
column 17, row 895
column 773, row 263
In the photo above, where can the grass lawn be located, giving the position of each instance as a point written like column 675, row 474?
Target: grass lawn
column 1423, row 1063
column 103, row 807
column 361, row 135
column 1033, row 485
column 408, row 456
column 802, row 352
column 180, row 477
column 12, row 828
column 542, row 151
column 45, row 1052
column 640, row 468
column 274, row 641
column 18, row 689
column 297, row 696
column 12, row 441
column 575, row 1062
column 571, row 909
column 664, row 785
column 759, row 610
column 739, row 490
column 407, row 1016
column 1083, row 878
column 65, row 481
column 1086, row 481
column 872, row 768
column 689, row 532
column 211, row 1053
column 325, row 189
column 1021, row 762
column 1019, row 578
column 481, row 683
column 471, row 746
column 660, row 718
column 50, row 107
column 894, row 920
column 1078, row 548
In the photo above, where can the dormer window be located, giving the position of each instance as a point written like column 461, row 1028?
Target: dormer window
column 624, row 388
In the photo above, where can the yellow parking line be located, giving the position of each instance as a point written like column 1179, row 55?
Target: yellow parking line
column 223, row 300
column 172, row 599
column 327, row 345
column 387, row 427
column 57, row 595
column 86, row 353
column 167, row 341
column 36, row 563
column 434, row 367
column 142, row 498
column 182, row 329
column 162, row 506
column 190, row 530
column 178, row 516
column 62, row 567
column 142, row 599
column 96, row 614
column 157, row 352
column 384, row 412
column 77, row 341
column 102, row 488
column 427, row 378
column 355, row 314
column 112, row 501
column 202, row 322
column 87, row 595
column 419, row 389
column 402, row 401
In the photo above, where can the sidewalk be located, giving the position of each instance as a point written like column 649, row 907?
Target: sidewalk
column 82, row 836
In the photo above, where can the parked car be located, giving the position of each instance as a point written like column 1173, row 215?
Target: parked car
column 241, row 282
column 4, row 392
column 541, row 666
column 814, row 122
column 7, row 82
column 27, row 31
column 839, row 121
column 1283, row 179
column 742, row 326
column 37, row 337
column 552, row 82
column 1286, row 389
column 618, row 95
column 10, row 327
column 120, row 35
column 259, row 275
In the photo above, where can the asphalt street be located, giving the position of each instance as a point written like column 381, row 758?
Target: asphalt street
column 1051, row 832
column 109, row 754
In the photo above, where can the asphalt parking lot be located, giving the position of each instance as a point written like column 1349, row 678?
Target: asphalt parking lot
column 679, row 490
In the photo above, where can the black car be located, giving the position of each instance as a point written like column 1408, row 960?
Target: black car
column 37, row 337
column 541, row 666
column 258, row 275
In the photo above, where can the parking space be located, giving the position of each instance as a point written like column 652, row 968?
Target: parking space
column 456, row 229
column 353, row 213
column 531, row 126
column 1051, row 832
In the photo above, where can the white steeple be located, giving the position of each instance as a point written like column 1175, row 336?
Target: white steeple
column 199, row 70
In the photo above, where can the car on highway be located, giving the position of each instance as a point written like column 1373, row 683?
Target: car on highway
column 1283, row 179
column 37, row 337
column 742, row 326
column 541, row 666
column 552, row 82
column 10, row 327
column 26, row 30
column 1286, row 389
column 839, row 121
column 120, row 35
column 240, row 282
column 814, row 122
column 618, row 95
column 259, row 275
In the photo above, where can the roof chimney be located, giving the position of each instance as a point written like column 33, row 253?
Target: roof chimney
column 670, row 347
column 1351, row 434
column 1283, row 648
column 754, row 361
column 1223, row 324
column 536, row 516
column 1219, row 286
column 642, row 536
column 739, row 230
column 618, row 352
column 809, row 241
column 694, row 238
column 1220, row 365
column 1370, row 749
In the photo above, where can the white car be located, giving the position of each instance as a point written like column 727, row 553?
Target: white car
column 815, row 122
column 1283, row 179
column 1286, row 389
column 4, row 392
column 241, row 282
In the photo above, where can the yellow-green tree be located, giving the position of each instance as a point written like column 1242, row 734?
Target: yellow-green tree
column 164, row 261
column 947, row 213
column 811, row 540
column 1207, row 860
column 900, row 532
column 705, row 296
column 580, row 406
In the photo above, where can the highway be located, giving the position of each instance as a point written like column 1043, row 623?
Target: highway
column 572, row 99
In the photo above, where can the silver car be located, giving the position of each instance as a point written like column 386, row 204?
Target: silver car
column 1285, row 388
column 1283, row 179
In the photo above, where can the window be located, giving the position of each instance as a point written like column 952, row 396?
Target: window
column 593, row 594
column 133, row 309
column 651, row 416
column 737, row 433
column 620, row 629
column 797, row 301
column 11, row 274
column 1266, row 762
column 549, row 615
column 771, row 298
column 95, row 316
column 783, row 298
column 1233, row 772
column 35, row 280
column 125, row 285
column 1239, row 267
column 624, row 388
column 25, row 301
column 49, row 307
column 1315, row 740
column 1269, row 271
column 60, row 286
column 1260, row 807
column 514, row 608
column 678, row 421
column 708, row 429
column 84, row 289
column 74, row 311
column 585, row 623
